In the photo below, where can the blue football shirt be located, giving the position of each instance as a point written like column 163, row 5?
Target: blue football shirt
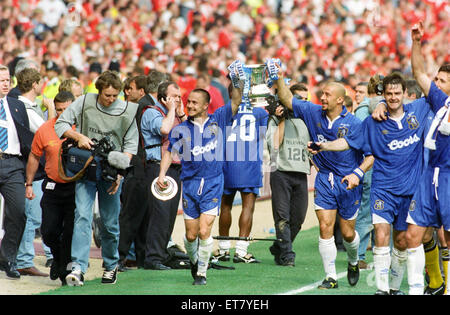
column 321, row 129
column 441, row 156
column 397, row 145
column 200, row 147
column 244, row 148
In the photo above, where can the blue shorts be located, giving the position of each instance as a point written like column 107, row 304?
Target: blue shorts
column 389, row 208
column 430, row 205
column 232, row 191
column 331, row 194
column 202, row 196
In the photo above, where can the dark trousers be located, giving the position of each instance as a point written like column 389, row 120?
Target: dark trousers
column 289, row 206
column 58, row 212
column 162, row 215
column 12, row 188
column 133, row 218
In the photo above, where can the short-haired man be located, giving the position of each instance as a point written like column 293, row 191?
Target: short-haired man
column 58, row 198
column 157, row 122
column 199, row 142
column 325, row 123
column 396, row 144
column 15, row 145
column 96, row 116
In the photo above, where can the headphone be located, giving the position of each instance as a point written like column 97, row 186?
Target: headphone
column 379, row 87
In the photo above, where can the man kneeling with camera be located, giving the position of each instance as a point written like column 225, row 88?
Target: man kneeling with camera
column 99, row 116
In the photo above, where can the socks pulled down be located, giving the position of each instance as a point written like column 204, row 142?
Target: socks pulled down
column 415, row 266
column 328, row 252
column 398, row 267
column 352, row 249
column 205, row 248
column 191, row 249
column 382, row 264
column 242, row 247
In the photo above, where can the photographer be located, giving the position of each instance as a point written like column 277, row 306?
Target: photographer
column 97, row 116
column 287, row 138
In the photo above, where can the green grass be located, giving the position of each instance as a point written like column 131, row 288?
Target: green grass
column 265, row 278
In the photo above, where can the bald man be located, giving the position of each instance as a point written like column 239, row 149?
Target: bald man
column 337, row 189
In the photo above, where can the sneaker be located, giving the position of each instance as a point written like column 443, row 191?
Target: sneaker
column 380, row 292
column 248, row 259
column 352, row 274
column 110, row 276
column 199, row 279
column 220, row 255
column 328, row 283
column 437, row 291
column 75, row 278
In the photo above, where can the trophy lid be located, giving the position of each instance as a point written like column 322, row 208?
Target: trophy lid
column 167, row 193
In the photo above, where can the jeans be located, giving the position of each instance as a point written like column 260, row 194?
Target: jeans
column 33, row 212
column 364, row 224
column 109, row 208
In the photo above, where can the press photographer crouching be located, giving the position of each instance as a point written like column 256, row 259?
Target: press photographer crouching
column 96, row 116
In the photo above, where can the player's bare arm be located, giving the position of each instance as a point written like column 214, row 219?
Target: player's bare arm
column 354, row 179
column 417, row 60
column 164, row 166
column 236, row 98
column 284, row 94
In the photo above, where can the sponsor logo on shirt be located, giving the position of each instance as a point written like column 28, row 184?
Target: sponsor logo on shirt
column 197, row 150
column 398, row 144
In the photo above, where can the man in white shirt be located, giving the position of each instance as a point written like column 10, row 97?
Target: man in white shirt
column 29, row 82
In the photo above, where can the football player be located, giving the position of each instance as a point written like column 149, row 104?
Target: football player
column 199, row 143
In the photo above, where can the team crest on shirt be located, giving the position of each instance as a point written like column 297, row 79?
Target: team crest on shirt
column 379, row 204
column 384, row 131
column 412, row 205
column 342, row 131
column 213, row 128
column 185, row 203
column 412, row 121
column 215, row 200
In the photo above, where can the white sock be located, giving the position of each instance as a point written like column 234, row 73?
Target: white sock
column 382, row 264
column 328, row 252
column 224, row 245
column 204, row 253
column 191, row 249
column 241, row 248
column 416, row 265
column 398, row 266
column 352, row 249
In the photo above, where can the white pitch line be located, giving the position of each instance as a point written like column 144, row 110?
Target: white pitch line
column 312, row 286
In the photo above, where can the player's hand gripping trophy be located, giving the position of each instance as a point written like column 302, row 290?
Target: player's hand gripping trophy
column 257, row 80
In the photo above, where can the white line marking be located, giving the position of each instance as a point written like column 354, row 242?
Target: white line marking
column 314, row 285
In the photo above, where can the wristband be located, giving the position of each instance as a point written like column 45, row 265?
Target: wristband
column 26, row 185
column 358, row 172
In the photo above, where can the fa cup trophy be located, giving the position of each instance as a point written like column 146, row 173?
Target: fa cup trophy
column 257, row 80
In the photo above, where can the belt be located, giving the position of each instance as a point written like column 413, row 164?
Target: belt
column 4, row 156
column 153, row 161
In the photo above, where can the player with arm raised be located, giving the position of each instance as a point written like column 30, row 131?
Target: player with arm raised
column 199, row 142
column 430, row 204
column 327, row 123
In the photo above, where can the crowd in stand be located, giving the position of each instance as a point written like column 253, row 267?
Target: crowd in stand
column 346, row 40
